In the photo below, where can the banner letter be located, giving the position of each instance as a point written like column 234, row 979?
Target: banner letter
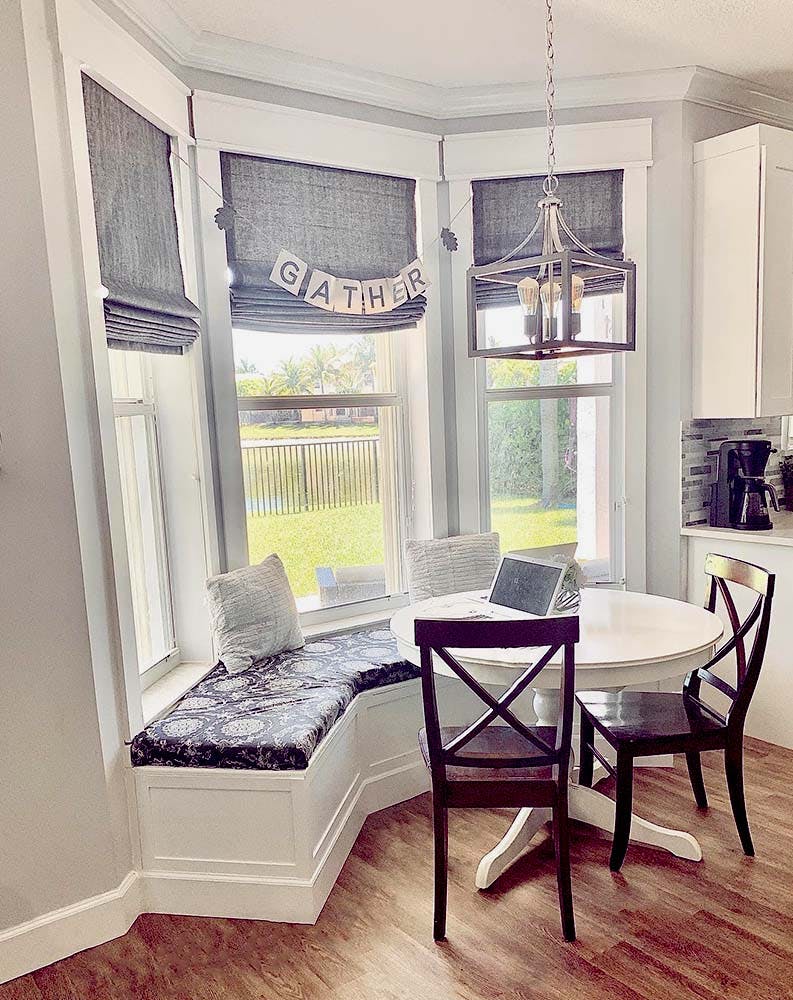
column 349, row 296
column 320, row 290
column 416, row 281
column 288, row 272
column 378, row 296
column 399, row 292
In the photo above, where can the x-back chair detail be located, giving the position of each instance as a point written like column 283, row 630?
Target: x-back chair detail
column 508, row 764
column 645, row 724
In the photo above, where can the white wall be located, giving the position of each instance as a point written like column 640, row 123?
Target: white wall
column 769, row 716
column 57, row 841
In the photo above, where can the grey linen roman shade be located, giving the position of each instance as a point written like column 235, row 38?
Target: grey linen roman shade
column 347, row 223
column 505, row 210
column 145, row 308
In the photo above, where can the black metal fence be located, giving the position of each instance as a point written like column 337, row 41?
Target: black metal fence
column 289, row 477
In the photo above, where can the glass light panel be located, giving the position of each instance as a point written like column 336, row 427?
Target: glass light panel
column 549, row 477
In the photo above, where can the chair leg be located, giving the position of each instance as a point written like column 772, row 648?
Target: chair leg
column 694, row 762
column 561, row 843
column 623, row 811
column 586, row 759
column 733, row 766
column 441, row 838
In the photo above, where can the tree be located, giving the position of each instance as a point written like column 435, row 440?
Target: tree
column 321, row 364
column 349, row 378
column 364, row 358
column 245, row 367
column 292, row 378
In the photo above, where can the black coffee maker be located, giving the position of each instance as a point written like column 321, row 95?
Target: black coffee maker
column 738, row 497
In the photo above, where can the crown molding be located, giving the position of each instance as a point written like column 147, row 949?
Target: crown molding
column 266, row 64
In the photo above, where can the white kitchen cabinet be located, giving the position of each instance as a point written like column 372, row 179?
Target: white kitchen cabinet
column 743, row 274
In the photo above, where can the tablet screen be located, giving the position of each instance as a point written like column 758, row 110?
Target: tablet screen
column 526, row 586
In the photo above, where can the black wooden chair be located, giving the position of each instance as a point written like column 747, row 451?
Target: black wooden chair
column 638, row 724
column 512, row 765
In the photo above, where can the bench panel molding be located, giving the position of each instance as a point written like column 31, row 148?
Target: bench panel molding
column 368, row 761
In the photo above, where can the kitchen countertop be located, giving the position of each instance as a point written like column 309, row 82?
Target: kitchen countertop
column 780, row 534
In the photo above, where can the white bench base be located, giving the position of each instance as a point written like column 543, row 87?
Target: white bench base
column 269, row 845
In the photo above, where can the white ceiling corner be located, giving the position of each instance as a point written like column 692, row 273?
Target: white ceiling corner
column 639, row 41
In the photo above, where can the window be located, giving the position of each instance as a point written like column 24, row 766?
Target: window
column 551, row 458
column 323, row 445
column 144, row 514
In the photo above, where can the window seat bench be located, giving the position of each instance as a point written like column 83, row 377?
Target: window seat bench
column 275, row 715
column 251, row 791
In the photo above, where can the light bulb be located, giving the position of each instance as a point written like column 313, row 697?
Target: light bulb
column 578, row 292
column 529, row 295
column 550, row 300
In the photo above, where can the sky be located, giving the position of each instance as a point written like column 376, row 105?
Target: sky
column 268, row 350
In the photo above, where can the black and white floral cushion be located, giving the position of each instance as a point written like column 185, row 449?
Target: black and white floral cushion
column 273, row 716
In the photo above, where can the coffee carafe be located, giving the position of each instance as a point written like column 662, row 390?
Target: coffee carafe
column 738, row 497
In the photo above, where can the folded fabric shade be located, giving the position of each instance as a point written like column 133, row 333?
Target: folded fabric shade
column 146, row 308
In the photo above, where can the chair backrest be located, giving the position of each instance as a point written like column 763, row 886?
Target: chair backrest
column 544, row 636
column 439, row 566
column 722, row 571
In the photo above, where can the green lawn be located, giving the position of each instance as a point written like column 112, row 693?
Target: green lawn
column 343, row 536
column 522, row 524
column 272, row 432
column 353, row 536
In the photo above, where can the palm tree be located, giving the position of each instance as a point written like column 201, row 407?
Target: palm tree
column 245, row 367
column 321, row 364
column 364, row 356
column 292, row 378
column 349, row 378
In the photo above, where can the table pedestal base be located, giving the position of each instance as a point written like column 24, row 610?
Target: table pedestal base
column 586, row 805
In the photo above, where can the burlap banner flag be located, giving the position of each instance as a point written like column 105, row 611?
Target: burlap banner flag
column 347, row 295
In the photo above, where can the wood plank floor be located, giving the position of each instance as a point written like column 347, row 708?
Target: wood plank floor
column 663, row 928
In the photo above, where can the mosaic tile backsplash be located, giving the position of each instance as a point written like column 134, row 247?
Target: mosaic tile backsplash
column 700, row 449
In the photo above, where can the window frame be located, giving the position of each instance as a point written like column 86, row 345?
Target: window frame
column 397, row 399
column 614, row 391
column 625, row 145
column 160, row 98
column 146, row 407
column 243, row 126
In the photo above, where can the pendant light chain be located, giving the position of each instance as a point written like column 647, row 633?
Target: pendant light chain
column 551, row 182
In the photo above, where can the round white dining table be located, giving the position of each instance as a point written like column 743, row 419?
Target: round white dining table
column 626, row 639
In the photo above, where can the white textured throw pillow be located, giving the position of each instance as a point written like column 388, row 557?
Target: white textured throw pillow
column 253, row 614
column 439, row 566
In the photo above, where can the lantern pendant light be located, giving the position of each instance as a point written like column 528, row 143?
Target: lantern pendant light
column 551, row 288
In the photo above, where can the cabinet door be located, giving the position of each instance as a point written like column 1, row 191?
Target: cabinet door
column 775, row 302
column 726, row 244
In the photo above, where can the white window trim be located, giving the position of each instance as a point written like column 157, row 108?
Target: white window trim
column 625, row 145
column 91, row 43
column 239, row 125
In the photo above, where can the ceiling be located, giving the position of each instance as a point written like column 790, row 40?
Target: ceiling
column 451, row 43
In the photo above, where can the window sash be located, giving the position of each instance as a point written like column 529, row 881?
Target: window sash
column 122, row 410
column 614, row 391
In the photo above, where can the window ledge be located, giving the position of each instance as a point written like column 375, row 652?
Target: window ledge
column 165, row 692
column 317, row 629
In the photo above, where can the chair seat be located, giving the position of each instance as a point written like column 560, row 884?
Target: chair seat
column 502, row 786
column 637, row 717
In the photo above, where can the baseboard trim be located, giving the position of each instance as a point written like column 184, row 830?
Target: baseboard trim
column 63, row 932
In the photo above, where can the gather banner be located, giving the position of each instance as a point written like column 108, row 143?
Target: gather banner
column 348, row 295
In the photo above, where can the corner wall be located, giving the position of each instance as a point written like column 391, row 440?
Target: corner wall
column 57, row 844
